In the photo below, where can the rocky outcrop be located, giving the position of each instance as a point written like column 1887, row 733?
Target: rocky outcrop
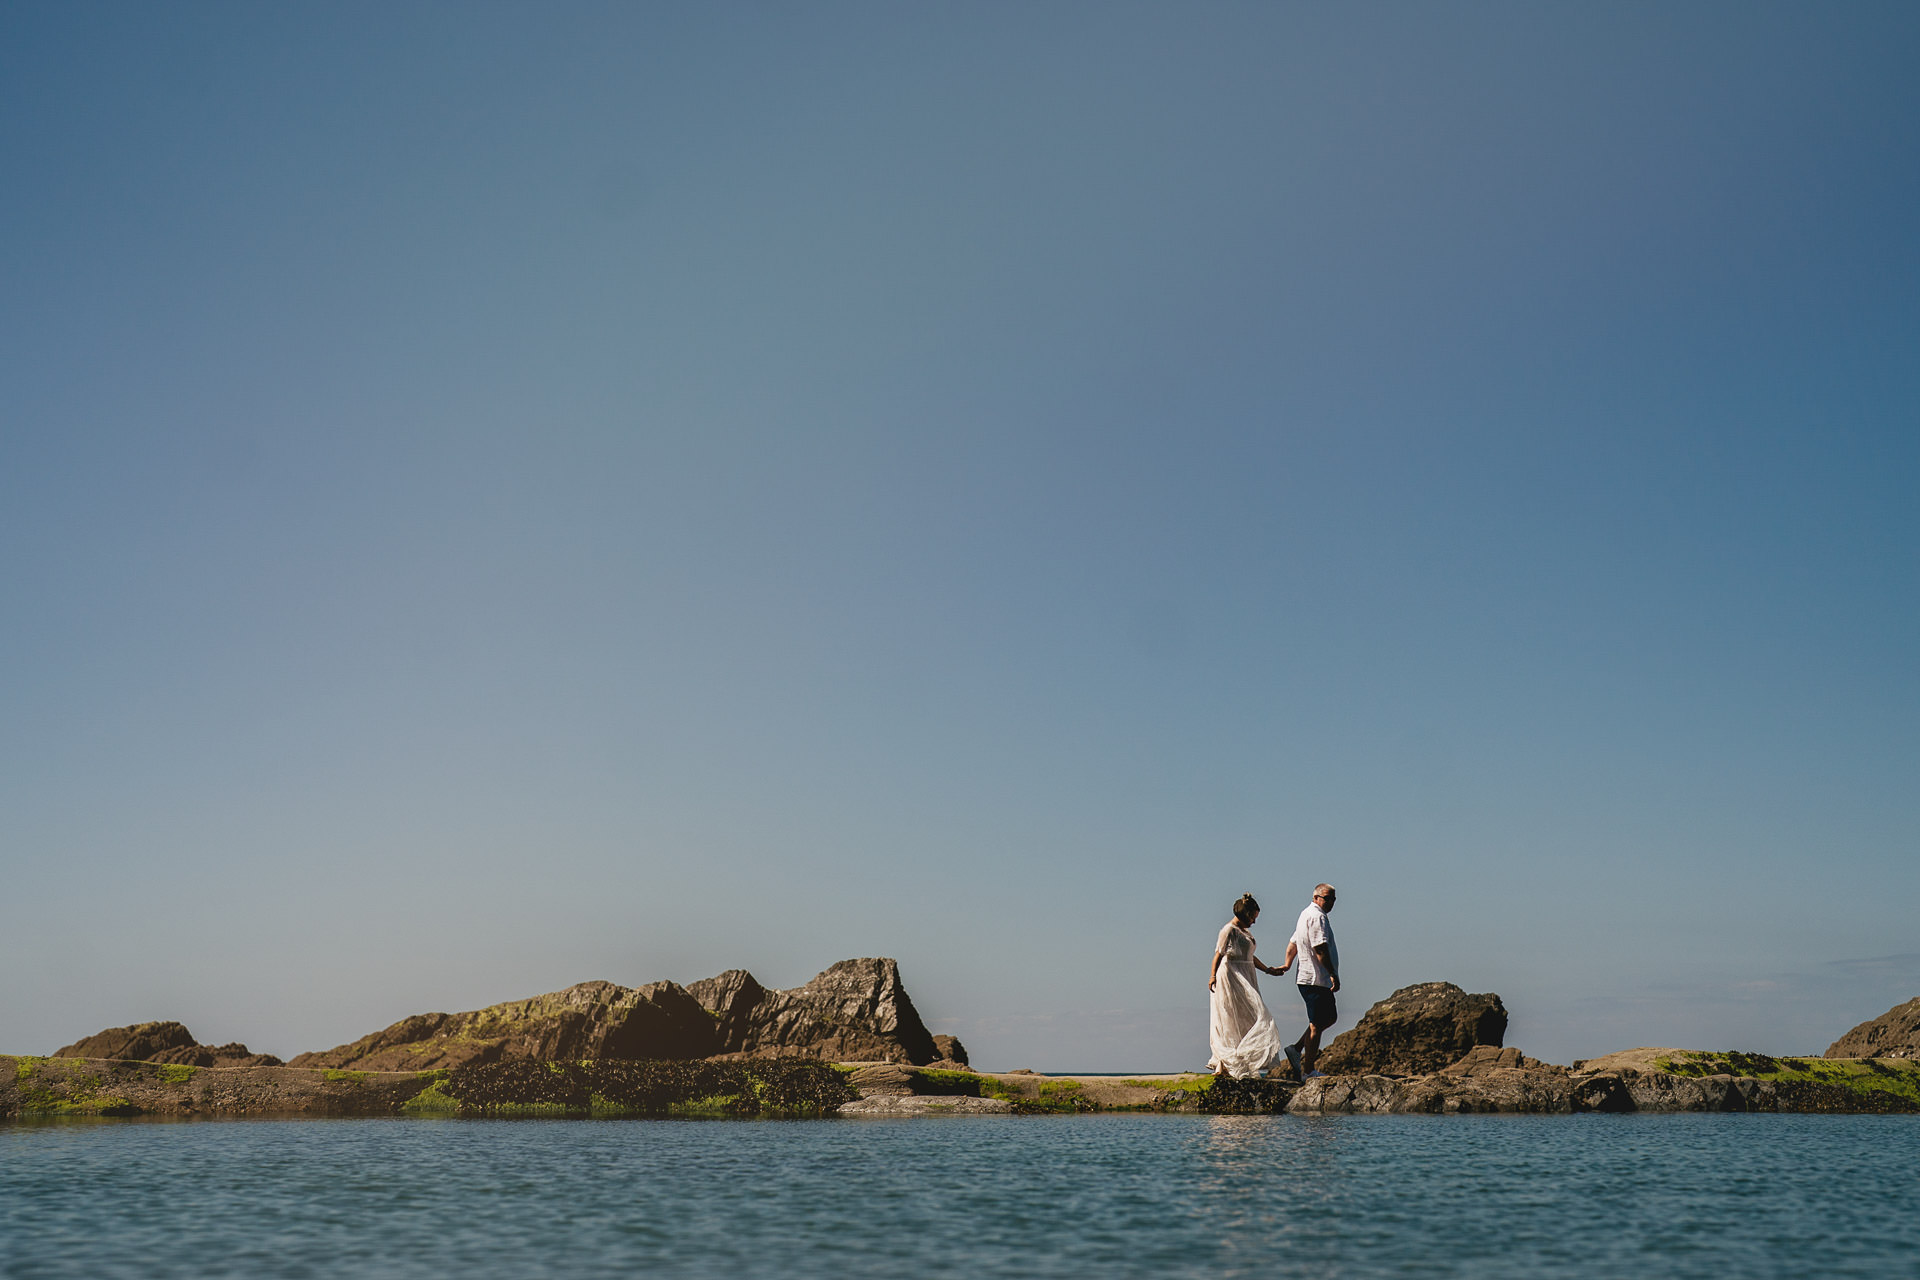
column 590, row 1020
column 137, row 1043
column 856, row 1011
column 1894, row 1034
column 1416, row 1031
column 164, row 1042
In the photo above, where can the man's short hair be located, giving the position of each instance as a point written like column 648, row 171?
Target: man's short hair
column 1324, row 888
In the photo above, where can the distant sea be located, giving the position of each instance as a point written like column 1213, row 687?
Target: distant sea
column 1086, row 1196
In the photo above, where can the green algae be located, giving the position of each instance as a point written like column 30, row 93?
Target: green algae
column 176, row 1073
column 347, row 1077
column 432, row 1100
column 1048, row 1097
column 951, row 1084
column 1190, row 1085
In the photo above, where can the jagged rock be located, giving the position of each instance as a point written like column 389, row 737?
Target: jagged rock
column 590, row 1020
column 1894, row 1034
column 952, row 1052
column 731, row 997
column 1416, row 1031
column 164, row 1042
column 856, row 1011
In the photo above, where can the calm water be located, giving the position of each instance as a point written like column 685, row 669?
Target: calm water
column 1084, row 1196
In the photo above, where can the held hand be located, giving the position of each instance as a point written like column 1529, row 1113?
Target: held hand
column 1210, row 982
column 1336, row 983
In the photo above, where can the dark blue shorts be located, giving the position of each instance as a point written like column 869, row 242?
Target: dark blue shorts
column 1321, row 1010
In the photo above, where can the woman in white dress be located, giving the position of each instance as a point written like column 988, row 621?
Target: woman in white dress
column 1245, row 1041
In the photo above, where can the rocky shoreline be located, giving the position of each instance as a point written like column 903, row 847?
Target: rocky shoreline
column 1486, row 1081
column 849, row 1043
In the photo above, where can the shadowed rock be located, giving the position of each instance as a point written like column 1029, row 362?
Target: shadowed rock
column 856, row 1011
column 1894, row 1034
column 1416, row 1031
column 951, row 1051
column 165, row 1042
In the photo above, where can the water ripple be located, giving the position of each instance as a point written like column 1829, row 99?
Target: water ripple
column 1482, row 1196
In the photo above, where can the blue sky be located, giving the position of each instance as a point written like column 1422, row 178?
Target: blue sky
column 498, row 496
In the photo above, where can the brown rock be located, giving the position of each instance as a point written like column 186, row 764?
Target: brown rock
column 1416, row 1031
column 164, row 1042
column 951, row 1051
column 1894, row 1034
column 731, row 997
column 1536, row 1090
column 590, row 1020
column 138, row 1043
column 856, row 1011
column 1483, row 1058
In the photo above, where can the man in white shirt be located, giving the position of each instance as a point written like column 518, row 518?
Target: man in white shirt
column 1319, row 978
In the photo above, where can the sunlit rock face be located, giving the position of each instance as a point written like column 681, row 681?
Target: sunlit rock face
column 856, row 1011
column 1416, row 1031
column 588, row 1020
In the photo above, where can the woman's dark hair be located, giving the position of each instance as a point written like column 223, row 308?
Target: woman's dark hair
column 1245, row 907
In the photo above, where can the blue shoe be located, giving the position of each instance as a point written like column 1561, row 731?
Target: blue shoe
column 1293, row 1060
column 1316, row 1075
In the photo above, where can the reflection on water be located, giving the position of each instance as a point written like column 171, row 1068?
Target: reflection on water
column 1101, row 1195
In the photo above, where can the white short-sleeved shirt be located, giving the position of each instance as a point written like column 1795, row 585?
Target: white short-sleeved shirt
column 1315, row 930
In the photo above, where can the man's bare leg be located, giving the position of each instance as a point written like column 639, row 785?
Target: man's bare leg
column 1309, row 1048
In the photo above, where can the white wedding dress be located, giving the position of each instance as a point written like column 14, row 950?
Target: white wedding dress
column 1245, row 1041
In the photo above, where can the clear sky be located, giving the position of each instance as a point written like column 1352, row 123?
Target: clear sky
column 498, row 496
